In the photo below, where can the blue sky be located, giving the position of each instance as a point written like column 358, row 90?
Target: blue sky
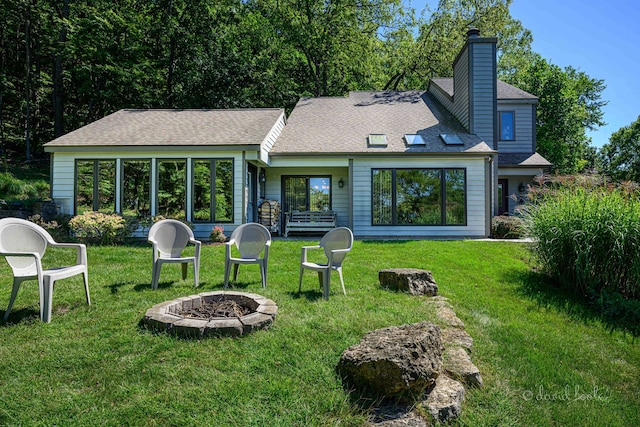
column 601, row 38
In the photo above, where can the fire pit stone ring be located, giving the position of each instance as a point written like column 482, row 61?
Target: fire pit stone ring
column 169, row 316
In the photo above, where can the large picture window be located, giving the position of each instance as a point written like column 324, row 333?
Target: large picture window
column 95, row 186
column 419, row 197
column 213, row 190
column 136, row 188
column 307, row 193
column 172, row 188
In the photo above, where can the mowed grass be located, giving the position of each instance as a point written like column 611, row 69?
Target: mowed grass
column 545, row 360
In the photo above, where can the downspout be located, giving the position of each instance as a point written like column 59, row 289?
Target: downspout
column 350, row 184
column 489, row 195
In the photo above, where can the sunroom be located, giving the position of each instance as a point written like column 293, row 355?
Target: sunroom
column 198, row 165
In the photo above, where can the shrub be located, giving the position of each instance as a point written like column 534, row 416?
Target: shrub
column 99, row 228
column 12, row 188
column 507, row 227
column 182, row 220
column 58, row 227
column 588, row 238
column 217, row 234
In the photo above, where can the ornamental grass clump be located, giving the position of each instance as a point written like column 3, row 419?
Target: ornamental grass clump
column 99, row 228
column 588, row 238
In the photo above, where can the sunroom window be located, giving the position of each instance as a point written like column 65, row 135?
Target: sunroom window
column 95, row 186
column 213, row 190
column 136, row 188
column 419, row 197
column 172, row 188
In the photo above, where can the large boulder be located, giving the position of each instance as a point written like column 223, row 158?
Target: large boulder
column 396, row 363
column 412, row 280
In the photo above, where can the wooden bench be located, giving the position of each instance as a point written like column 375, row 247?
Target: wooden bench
column 310, row 221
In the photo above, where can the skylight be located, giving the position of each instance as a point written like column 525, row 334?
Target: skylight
column 413, row 139
column 377, row 139
column 451, row 139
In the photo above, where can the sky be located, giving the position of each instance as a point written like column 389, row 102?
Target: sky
column 600, row 38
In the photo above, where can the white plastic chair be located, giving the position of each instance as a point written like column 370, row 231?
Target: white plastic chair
column 250, row 240
column 169, row 238
column 23, row 245
column 336, row 244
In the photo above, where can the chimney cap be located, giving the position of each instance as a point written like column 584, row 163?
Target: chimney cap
column 473, row 32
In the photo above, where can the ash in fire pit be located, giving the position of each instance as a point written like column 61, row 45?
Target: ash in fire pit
column 220, row 313
column 225, row 308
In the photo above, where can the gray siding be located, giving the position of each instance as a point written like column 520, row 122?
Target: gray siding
column 441, row 96
column 461, row 89
column 483, row 91
column 524, row 129
column 476, row 199
column 339, row 196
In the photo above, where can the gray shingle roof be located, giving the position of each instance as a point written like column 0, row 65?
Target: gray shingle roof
column 341, row 125
column 522, row 160
column 505, row 90
column 174, row 127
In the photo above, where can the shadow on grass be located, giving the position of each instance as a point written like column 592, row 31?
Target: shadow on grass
column 617, row 315
column 18, row 316
column 309, row 295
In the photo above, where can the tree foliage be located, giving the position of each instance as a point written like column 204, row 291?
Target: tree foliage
column 621, row 156
column 66, row 63
column 569, row 104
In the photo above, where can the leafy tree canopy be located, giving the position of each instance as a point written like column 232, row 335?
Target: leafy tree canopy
column 569, row 104
column 621, row 156
column 66, row 63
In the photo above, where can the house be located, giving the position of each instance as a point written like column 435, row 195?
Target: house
column 413, row 164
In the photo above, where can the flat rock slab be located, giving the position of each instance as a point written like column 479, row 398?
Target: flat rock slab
column 398, row 416
column 445, row 400
column 449, row 318
column 456, row 337
column 412, row 280
column 458, row 365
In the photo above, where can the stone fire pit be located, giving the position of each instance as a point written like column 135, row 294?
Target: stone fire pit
column 218, row 313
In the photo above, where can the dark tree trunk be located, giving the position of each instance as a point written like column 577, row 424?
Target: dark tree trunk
column 58, row 80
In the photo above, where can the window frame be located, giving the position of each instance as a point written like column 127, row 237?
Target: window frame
column 308, row 189
column 95, row 202
column 513, row 125
column 121, row 184
column 213, row 171
column 156, row 196
column 443, row 199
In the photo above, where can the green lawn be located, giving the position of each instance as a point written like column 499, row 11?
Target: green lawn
column 545, row 360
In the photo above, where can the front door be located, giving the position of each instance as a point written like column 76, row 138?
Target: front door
column 503, row 196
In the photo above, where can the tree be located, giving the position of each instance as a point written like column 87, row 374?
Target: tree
column 338, row 40
column 569, row 104
column 443, row 34
column 621, row 156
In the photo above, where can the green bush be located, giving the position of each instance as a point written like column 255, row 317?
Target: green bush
column 57, row 227
column 99, row 228
column 588, row 238
column 507, row 227
column 12, row 188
